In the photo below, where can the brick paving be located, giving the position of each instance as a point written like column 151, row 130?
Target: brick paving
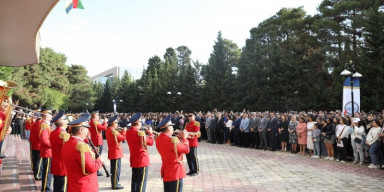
column 228, row 169
column 222, row 168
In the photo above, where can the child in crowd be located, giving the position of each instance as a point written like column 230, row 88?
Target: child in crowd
column 316, row 141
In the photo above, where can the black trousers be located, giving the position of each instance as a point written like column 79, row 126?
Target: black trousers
column 193, row 162
column 46, row 184
column 254, row 139
column 343, row 150
column 100, row 150
column 60, row 183
column 173, row 186
column 115, row 172
column 236, row 136
column 37, row 164
column 220, row 136
column 245, row 139
column 139, row 179
column 272, row 140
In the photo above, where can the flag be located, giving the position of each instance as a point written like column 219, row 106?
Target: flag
column 347, row 96
column 75, row 4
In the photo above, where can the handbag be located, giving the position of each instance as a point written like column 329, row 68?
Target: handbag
column 358, row 140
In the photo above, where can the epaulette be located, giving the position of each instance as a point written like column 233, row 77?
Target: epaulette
column 83, row 148
column 1, row 121
column 115, row 132
column 141, row 133
column 95, row 122
column 175, row 140
column 44, row 126
column 197, row 123
column 64, row 136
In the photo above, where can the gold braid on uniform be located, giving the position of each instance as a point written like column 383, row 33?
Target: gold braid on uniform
column 43, row 126
column 96, row 123
column 143, row 139
column 84, row 148
column 175, row 141
column 115, row 133
column 64, row 136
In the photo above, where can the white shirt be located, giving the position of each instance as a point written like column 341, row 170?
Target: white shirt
column 310, row 127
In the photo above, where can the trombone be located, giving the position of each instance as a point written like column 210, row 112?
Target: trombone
column 23, row 108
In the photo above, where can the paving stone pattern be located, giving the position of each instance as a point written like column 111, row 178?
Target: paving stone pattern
column 228, row 169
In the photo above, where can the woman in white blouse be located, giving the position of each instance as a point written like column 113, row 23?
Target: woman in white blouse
column 342, row 135
column 357, row 131
column 373, row 142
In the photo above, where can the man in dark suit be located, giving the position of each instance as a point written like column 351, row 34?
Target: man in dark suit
column 263, row 131
column 254, row 123
column 272, row 132
column 212, row 128
column 220, row 128
column 236, row 130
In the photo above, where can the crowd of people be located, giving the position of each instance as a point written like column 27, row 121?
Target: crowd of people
column 329, row 135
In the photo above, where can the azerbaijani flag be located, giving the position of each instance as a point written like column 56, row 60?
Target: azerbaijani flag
column 76, row 4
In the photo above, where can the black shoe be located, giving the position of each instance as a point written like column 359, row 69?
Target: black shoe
column 193, row 174
column 118, row 187
column 99, row 173
column 2, row 156
column 189, row 173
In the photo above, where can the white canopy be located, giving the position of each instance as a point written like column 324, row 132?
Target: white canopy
column 20, row 21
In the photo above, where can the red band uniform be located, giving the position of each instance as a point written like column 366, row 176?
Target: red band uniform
column 79, row 160
column 139, row 157
column 45, row 150
column 192, row 126
column 58, row 137
column 171, row 150
column 96, row 130
column 115, row 150
column 35, row 146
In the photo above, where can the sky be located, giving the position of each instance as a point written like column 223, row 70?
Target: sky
column 127, row 33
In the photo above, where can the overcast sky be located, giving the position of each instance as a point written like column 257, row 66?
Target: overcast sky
column 127, row 33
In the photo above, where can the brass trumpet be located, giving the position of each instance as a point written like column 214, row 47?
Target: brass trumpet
column 197, row 134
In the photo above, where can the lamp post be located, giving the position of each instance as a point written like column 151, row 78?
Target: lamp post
column 173, row 98
column 114, row 102
column 354, row 74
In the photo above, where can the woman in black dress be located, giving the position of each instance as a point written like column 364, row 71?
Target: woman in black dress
column 283, row 132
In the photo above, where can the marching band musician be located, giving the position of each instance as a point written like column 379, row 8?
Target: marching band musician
column 79, row 159
column 3, row 108
column 171, row 150
column 58, row 137
column 192, row 126
column 139, row 158
column 45, row 149
column 115, row 150
column 28, row 126
column 35, row 145
column 96, row 132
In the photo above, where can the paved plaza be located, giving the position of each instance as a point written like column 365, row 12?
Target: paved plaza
column 222, row 168
column 227, row 168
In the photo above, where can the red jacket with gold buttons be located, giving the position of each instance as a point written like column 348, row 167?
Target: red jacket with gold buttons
column 81, row 174
column 172, row 167
column 34, row 138
column 193, row 126
column 57, row 138
column 139, row 156
column 95, row 130
column 45, row 143
column 114, row 139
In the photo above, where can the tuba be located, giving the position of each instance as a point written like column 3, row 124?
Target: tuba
column 5, row 86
